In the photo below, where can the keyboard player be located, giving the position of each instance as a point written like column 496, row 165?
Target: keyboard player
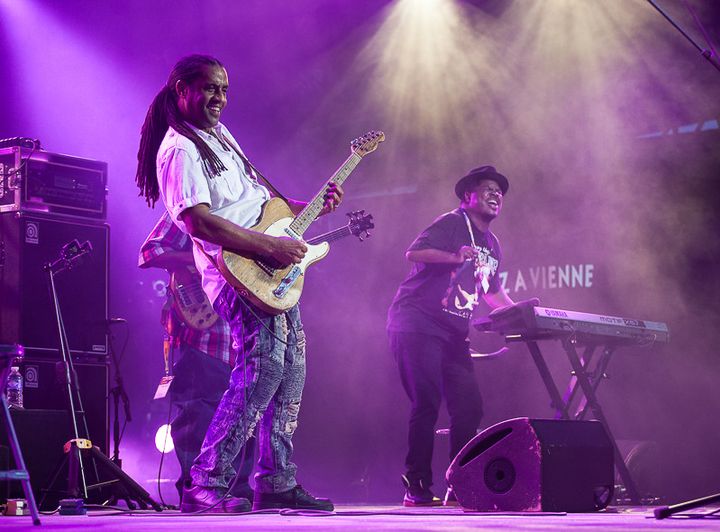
column 455, row 263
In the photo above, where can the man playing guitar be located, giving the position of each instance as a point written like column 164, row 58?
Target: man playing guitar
column 191, row 160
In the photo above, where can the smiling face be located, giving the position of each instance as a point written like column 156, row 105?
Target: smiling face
column 202, row 100
column 484, row 200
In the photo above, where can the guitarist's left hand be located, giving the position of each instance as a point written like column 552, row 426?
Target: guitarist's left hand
column 333, row 198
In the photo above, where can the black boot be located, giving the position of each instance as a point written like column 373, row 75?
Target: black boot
column 296, row 498
column 197, row 498
column 417, row 493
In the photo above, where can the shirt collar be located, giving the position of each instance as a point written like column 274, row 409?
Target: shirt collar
column 204, row 134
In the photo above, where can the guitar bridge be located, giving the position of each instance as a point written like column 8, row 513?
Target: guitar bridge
column 287, row 282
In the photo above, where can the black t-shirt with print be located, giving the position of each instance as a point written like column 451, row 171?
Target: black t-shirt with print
column 438, row 299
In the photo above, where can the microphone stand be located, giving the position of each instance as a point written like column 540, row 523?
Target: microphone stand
column 69, row 254
column 708, row 54
column 118, row 393
column 122, row 485
column 664, row 512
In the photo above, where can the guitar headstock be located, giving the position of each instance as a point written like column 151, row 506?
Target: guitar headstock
column 367, row 143
column 360, row 224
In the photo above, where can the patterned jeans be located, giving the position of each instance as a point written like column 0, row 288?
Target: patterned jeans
column 265, row 391
column 199, row 384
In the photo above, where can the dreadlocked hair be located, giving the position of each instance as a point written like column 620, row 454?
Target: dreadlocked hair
column 164, row 113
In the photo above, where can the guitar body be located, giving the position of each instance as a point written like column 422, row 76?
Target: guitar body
column 189, row 300
column 273, row 290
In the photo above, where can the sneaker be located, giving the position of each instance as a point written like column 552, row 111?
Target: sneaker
column 450, row 499
column 296, row 498
column 418, row 494
column 197, row 498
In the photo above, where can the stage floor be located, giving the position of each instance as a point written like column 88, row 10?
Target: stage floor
column 352, row 517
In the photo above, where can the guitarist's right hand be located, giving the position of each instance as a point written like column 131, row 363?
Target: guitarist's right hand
column 286, row 250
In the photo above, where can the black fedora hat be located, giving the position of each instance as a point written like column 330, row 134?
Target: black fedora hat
column 476, row 175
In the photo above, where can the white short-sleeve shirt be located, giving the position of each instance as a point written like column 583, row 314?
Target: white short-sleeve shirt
column 234, row 195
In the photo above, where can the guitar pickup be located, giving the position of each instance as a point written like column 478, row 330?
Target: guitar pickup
column 287, row 282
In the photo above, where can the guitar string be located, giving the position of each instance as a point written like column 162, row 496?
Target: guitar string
column 313, row 207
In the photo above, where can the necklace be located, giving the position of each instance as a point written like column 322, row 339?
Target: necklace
column 483, row 273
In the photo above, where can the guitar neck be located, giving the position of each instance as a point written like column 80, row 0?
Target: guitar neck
column 311, row 211
column 330, row 236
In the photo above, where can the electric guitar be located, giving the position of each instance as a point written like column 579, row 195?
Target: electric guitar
column 189, row 301
column 276, row 289
column 192, row 305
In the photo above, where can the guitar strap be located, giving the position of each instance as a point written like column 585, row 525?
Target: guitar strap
column 251, row 166
column 484, row 280
column 248, row 168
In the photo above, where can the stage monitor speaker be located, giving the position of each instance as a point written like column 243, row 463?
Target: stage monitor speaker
column 533, row 465
column 27, row 317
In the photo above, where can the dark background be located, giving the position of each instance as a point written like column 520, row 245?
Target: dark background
column 604, row 118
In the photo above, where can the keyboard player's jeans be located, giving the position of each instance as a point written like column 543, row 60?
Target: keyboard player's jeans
column 432, row 368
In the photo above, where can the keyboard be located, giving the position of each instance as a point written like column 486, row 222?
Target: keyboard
column 529, row 322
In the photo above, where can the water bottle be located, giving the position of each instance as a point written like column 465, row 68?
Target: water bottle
column 15, row 388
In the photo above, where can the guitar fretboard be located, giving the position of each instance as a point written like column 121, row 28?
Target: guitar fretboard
column 307, row 216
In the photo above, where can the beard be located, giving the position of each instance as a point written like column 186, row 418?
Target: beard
column 488, row 217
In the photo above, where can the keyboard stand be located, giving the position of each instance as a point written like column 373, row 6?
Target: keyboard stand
column 585, row 380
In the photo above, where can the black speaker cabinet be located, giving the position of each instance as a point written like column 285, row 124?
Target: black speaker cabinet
column 44, row 388
column 532, row 465
column 41, row 434
column 27, row 242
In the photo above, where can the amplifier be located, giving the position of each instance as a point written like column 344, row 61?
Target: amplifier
column 42, row 451
column 27, row 317
column 44, row 387
column 41, row 181
column 44, row 425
